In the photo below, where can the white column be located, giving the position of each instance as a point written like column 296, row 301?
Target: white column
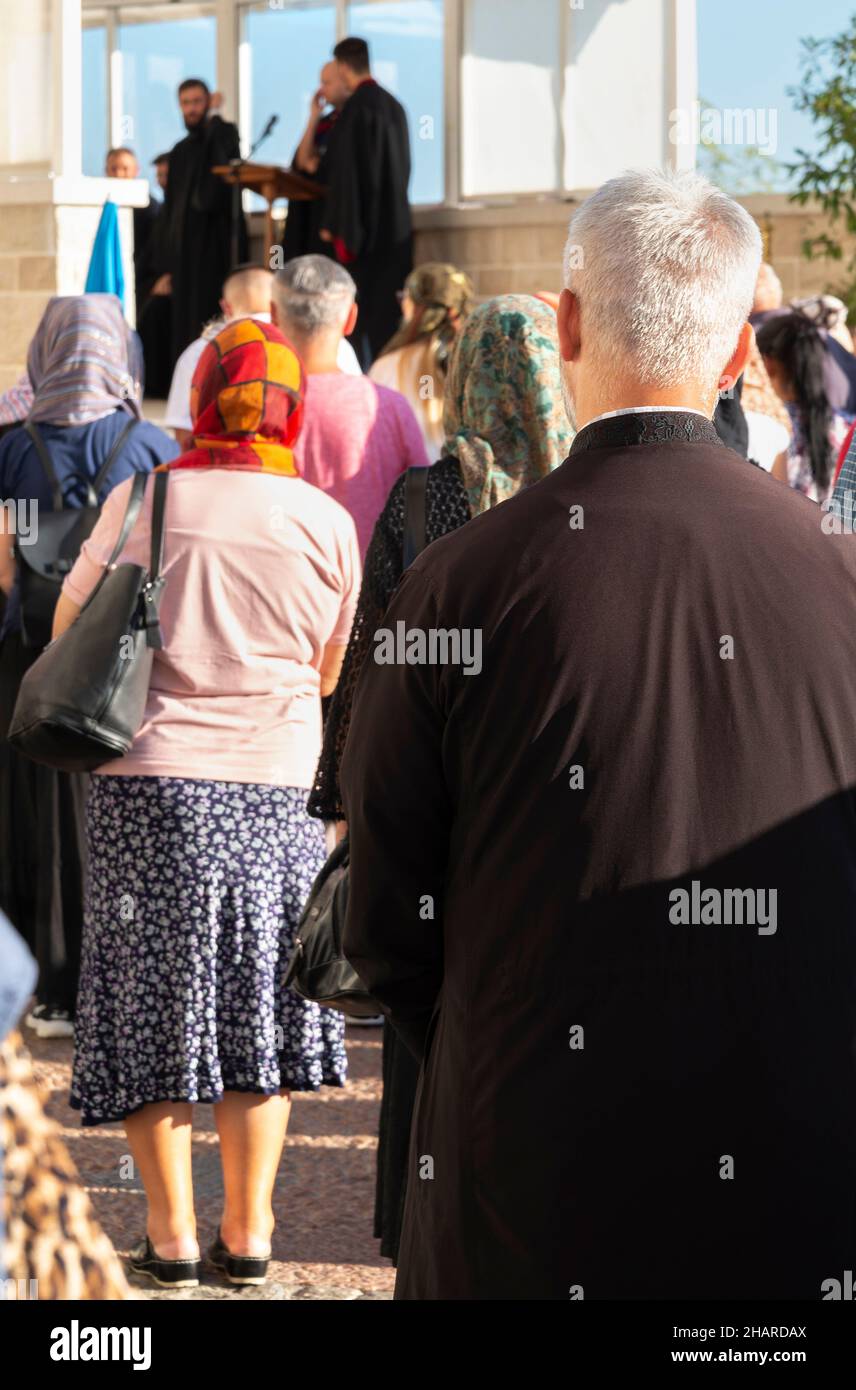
column 117, row 134
column 679, row 150
column 67, row 72
column 452, row 101
column 27, row 93
column 227, row 57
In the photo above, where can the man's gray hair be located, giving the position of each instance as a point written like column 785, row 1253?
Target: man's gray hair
column 664, row 266
column 312, row 293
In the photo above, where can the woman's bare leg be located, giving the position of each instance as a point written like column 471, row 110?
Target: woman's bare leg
column 252, row 1132
column 160, row 1139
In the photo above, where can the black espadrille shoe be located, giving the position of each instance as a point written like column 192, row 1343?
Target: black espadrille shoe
column 167, row 1274
column 238, row 1269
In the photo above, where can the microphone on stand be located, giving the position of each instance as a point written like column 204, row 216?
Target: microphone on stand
column 264, row 135
column 236, row 187
column 267, row 130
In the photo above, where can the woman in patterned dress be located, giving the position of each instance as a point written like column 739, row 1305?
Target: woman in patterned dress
column 201, row 851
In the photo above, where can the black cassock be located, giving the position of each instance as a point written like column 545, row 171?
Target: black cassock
column 154, row 312
column 625, row 1093
column 304, row 221
column 145, row 224
column 198, row 209
column 367, row 171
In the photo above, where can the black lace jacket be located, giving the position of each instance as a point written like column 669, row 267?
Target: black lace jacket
column 446, row 509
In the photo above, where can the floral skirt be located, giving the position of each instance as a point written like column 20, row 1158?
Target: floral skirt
column 194, row 893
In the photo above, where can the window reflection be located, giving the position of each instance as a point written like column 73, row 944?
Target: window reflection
column 156, row 56
column 287, row 48
column 405, row 39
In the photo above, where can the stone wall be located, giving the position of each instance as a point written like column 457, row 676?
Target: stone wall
column 518, row 249
column 44, row 250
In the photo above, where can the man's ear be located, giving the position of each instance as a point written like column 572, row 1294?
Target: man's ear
column 351, row 321
column 735, row 368
column 568, row 324
column 274, row 316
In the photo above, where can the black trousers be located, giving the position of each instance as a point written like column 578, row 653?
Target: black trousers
column 378, row 278
column 42, row 847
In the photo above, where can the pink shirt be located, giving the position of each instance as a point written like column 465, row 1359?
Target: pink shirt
column 262, row 572
column 356, row 439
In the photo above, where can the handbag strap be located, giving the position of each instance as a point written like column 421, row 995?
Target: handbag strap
column 132, row 511
column 46, row 461
column 92, row 487
column 118, row 445
column 415, row 514
column 153, row 589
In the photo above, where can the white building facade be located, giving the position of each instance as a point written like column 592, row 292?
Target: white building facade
column 516, row 107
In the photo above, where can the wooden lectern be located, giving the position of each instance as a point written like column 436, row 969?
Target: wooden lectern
column 270, row 182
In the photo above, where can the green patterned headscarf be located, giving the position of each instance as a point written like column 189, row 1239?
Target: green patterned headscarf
column 504, row 418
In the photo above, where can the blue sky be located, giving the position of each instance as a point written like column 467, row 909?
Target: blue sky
column 749, row 55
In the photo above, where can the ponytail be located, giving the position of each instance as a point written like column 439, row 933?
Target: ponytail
column 794, row 341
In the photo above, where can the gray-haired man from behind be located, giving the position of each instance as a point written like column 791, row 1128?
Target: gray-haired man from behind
column 357, row 437
column 625, row 1093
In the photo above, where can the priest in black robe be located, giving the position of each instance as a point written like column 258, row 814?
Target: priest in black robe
column 154, row 312
column 198, row 211
column 603, row 840
column 366, row 216
column 302, row 236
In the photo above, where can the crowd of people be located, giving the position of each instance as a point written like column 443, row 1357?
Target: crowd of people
column 664, row 694
column 353, row 158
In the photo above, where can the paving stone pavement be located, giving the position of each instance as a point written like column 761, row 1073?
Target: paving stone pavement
column 323, row 1246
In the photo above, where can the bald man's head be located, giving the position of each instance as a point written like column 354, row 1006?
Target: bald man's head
column 332, row 85
column 247, row 291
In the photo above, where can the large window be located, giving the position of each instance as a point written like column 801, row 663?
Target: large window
column 510, row 97
column 156, row 56
column 282, row 53
column 405, row 39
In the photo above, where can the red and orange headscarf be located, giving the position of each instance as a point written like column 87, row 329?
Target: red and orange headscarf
column 246, row 401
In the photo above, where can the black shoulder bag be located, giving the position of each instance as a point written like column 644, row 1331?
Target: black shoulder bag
column 82, row 701
column 44, row 562
column 318, row 969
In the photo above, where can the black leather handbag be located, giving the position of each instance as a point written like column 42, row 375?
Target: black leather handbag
column 82, row 701
column 44, row 563
column 318, row 970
